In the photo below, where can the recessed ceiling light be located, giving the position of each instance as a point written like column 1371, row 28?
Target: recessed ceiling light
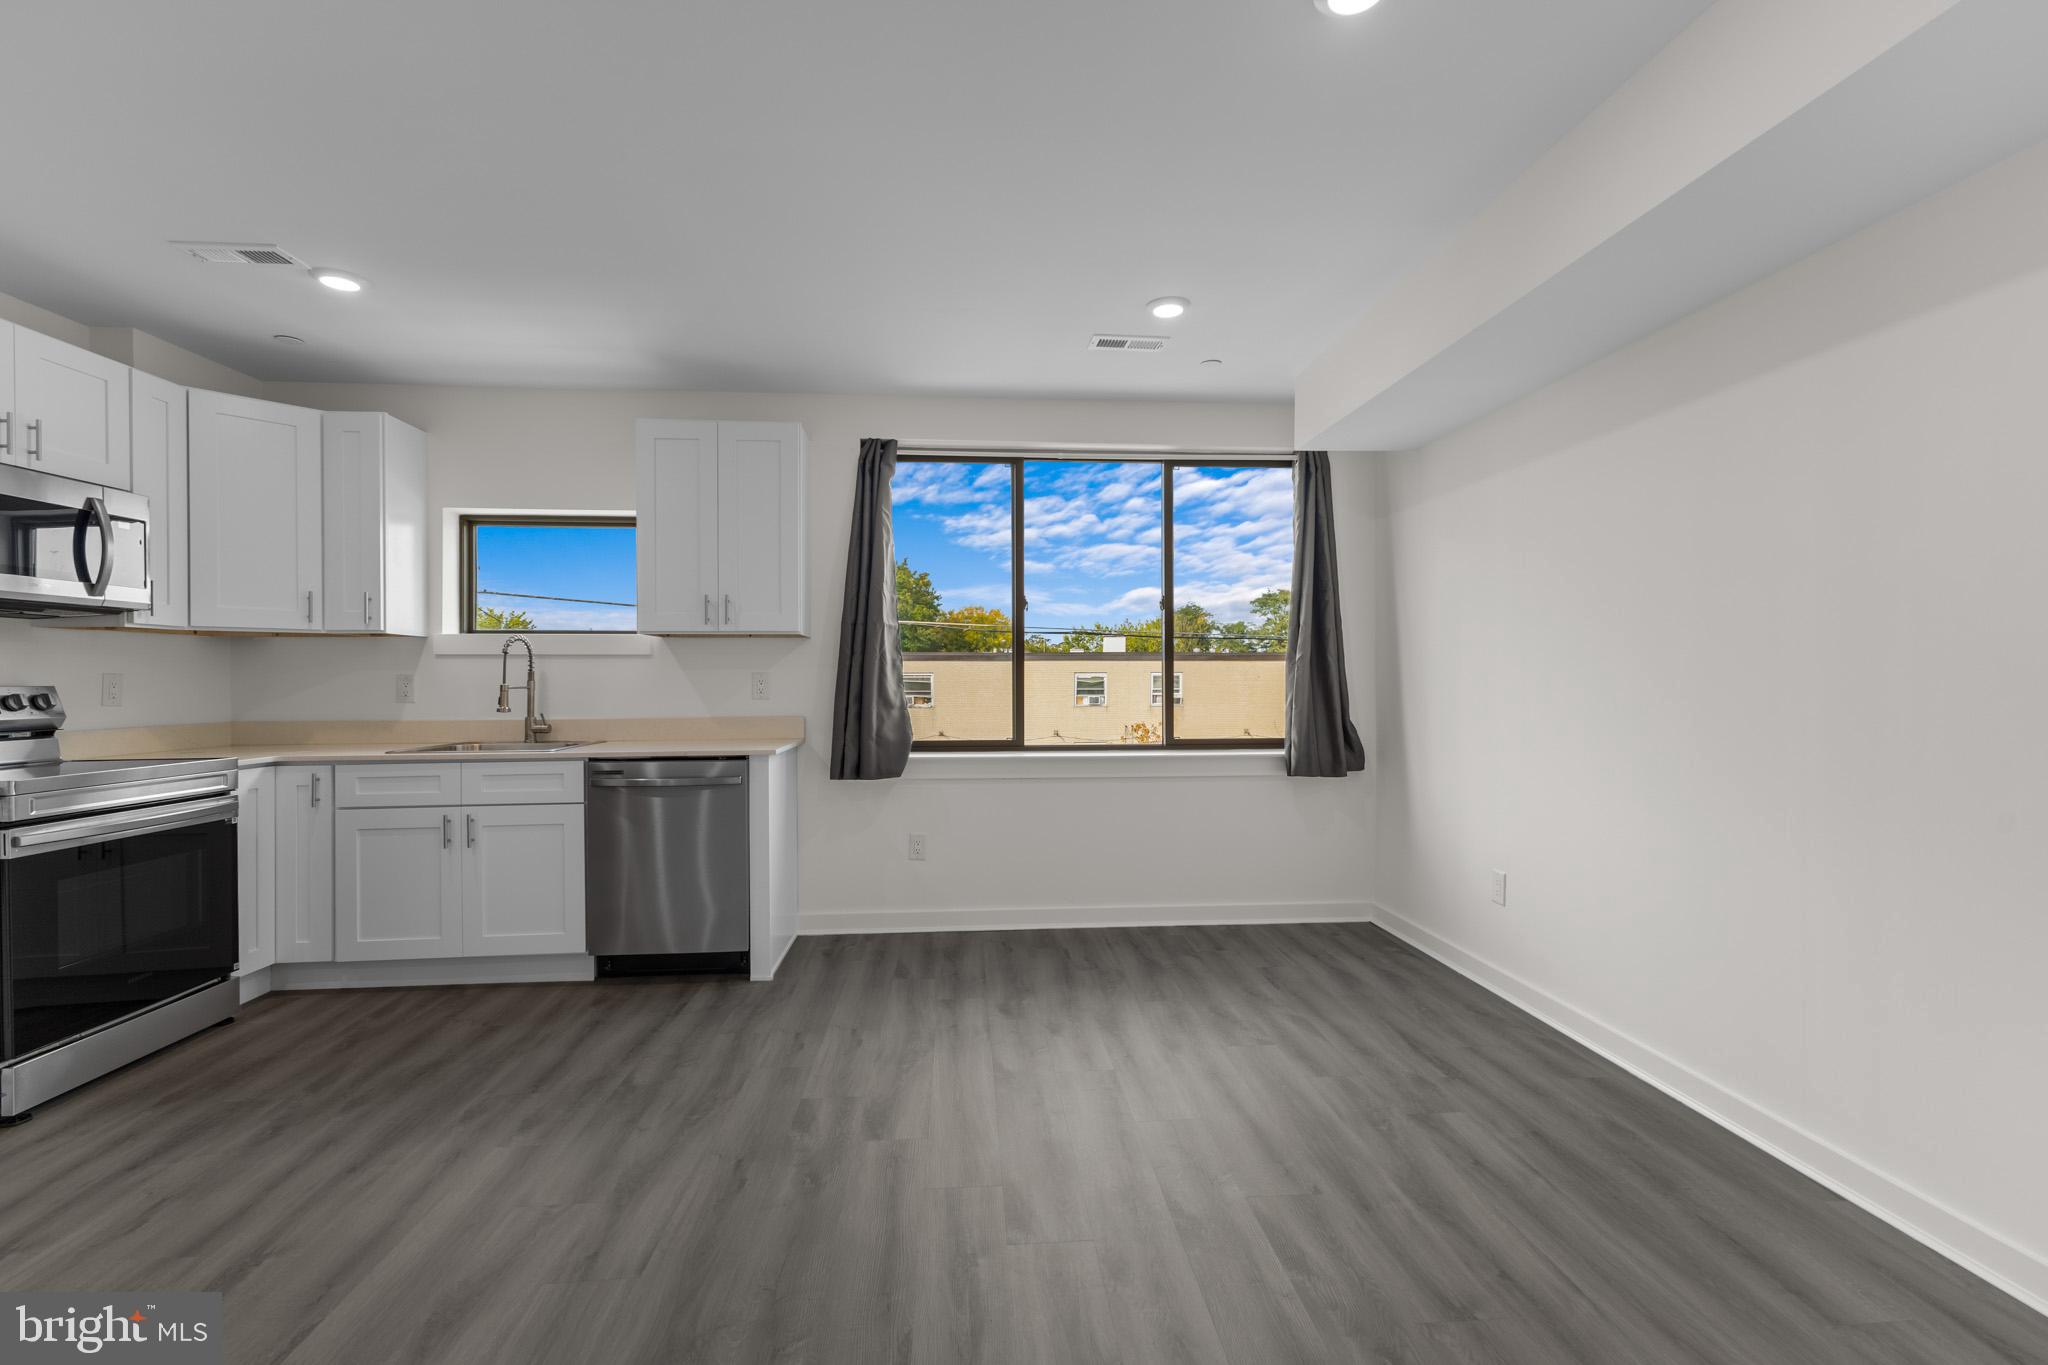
column 287, row 339
column 339, row 280
column 1344, row 9
column 1169, row 307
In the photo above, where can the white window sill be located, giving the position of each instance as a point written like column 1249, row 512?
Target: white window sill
column 1069, row 766
column 544, row 644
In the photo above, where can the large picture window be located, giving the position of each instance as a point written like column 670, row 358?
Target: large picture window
column 548, row 573
column 1048, row 599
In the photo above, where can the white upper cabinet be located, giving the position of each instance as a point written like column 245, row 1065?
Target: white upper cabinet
column 255, row 514
column 720, row 527
column 10, row 420
column 70, row 411
column 676, row 483
column 761, row 527
column 156, row 411
column 373, row 523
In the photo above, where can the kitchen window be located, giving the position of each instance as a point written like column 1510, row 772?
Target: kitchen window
column 554, row 574
column 1049, row 597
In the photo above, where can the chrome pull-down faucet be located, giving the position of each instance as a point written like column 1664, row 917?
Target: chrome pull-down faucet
column 536, row 723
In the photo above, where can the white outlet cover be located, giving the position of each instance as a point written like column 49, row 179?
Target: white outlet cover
column 405, row 687
column 111, row 685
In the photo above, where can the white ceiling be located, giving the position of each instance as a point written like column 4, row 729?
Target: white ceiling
column 924, row 196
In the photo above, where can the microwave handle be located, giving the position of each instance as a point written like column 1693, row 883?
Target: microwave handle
column 94, row 513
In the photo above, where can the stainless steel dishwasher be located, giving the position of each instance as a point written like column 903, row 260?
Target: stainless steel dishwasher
column 666, row 865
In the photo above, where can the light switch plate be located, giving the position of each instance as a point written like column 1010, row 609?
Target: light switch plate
column 1500, row 887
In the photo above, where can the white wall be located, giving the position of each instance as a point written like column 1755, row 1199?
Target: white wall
column 1080, row 849
column 166, row 679
column 1732, row 651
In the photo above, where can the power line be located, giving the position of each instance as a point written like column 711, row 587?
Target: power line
column 1096, row 631
column 492, row 592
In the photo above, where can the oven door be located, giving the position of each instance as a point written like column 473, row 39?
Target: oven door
column 69, row 548
column 109, row 914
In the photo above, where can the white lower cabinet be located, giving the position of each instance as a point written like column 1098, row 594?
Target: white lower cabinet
column 256, row 869
column 397, row 884
column 495, row 872
column 336, row 868
column 522, row 884
column 304, row 799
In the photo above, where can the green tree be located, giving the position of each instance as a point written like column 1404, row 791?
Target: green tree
column 492, row 618
column 918, row 600
column 978, row 630
column 1271, row 611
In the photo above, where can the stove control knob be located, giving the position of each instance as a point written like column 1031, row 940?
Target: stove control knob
column 13, row 701
column 43, row 701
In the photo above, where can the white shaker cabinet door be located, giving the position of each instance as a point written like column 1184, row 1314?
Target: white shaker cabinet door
column 156, row 410
column 761, row 527
column 676, row 485
column 72, row 407
column 305, row 863
column 255, row 514
column 523, row 880
column 397, row 883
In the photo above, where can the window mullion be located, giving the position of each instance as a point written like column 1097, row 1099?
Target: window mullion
column 1166, row 716
column 1018, row 603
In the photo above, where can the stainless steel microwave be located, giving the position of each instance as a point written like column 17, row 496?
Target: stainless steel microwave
column 69, row 548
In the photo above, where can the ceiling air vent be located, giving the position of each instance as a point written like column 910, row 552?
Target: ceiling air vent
column 239, row 253
column 1126, row 343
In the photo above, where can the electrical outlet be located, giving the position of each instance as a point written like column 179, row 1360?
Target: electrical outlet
column 760, row 687
column 110, row 689
column 405, row 687
column 917, row 848
column 1500, row 887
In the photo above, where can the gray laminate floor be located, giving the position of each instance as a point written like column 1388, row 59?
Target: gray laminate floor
column 1255, row 1145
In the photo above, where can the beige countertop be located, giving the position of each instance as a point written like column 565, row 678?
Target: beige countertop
column 257, row 744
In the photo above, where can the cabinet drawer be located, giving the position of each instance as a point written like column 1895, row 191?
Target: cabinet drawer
column 522, row 784
column 359, row 785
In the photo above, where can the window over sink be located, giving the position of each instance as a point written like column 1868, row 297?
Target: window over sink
column 563, row 574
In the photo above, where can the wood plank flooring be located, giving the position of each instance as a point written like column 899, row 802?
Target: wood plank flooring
column 1256, row 1145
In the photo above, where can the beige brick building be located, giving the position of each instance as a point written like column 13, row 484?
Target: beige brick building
column 1080, row 699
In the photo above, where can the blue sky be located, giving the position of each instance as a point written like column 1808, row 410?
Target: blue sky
column 558, row 561
column 1092, row 536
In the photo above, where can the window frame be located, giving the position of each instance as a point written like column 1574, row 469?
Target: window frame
column 931, row 690
column 1168, row 464
column 1091, row 698
column 465, row 604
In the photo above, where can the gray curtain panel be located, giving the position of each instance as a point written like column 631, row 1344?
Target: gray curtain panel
column 1321, row 740
column 870, row 723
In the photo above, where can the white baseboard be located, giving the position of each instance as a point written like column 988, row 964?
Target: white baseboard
column 463, row 971
column 899, row 921
column 2011, row 1267
column 254, row 984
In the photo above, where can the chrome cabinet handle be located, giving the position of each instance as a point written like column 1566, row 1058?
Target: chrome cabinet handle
column 728, row 608
column 472, row 830
column 316, row 789
column 35, row 434
column 6, row 431
column 447, row 831
column 309, row 606
column 366, row 609
column 707, row 608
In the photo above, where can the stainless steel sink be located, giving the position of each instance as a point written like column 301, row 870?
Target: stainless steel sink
column 508, row 747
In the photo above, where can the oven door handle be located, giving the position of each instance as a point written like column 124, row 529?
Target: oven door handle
column 100, row 829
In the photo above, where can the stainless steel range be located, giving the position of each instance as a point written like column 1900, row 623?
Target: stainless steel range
column 117, row 904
